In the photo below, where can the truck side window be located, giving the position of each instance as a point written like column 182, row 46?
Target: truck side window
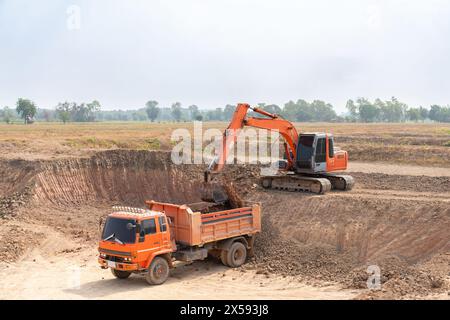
column 162, row 224
column 149, row 226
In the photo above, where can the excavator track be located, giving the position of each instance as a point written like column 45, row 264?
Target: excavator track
column 296, row 183
column 339, row 181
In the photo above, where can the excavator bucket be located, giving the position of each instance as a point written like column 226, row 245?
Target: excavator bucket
column 213, row 192
column 221, row 194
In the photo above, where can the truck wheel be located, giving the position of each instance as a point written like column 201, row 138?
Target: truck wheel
column 119, row 274
column 224, row 257
column 158, row 271
column 236, row 255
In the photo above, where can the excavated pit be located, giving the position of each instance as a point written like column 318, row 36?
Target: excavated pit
column 121, row 177
column 332, row 237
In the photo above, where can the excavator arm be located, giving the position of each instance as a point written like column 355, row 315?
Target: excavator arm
column 239, row 120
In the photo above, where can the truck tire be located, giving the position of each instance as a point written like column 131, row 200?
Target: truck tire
column 119, row 274
column 224, row 257
column 158, row 272
column 236, row 255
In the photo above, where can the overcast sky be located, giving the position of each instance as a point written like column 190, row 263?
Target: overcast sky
column 210, row 53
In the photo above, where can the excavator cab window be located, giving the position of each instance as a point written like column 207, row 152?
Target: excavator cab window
column 305, row 147
column 321, row 150
column 331, row 147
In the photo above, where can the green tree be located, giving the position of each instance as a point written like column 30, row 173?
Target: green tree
column 272, row 108
column 423, row 113
column 367, row 111
column 321, row 111
column 435, row 111
column 194, row 112
column 63, row 111
column 7, row 115
column 290, row 110
column 228, row 112
column 26, row 110
column 393, row 110
column 176, row 111
column 304, row 111
column 151, row 107
column 352, row 109
column 84, row 112
column 439, row 113
column 414, row 114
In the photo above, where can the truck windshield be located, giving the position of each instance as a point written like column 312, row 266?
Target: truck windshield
column 116, row 230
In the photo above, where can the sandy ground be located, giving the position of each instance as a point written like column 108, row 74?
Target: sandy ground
column 51, row 271
column 387, row 168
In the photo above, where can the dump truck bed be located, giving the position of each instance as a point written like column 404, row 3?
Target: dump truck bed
column 195, row 228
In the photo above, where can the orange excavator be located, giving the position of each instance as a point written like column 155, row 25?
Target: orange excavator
column 309, row 158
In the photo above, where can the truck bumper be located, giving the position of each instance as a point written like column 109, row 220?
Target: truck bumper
column 105, row 264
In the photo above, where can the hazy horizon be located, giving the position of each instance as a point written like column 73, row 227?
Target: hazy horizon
column 124, row 53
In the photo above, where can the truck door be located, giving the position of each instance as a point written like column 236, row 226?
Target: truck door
column 152, row 237
column 165, row 235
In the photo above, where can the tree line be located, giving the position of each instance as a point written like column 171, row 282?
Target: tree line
column 358, row 110
column 393, row 110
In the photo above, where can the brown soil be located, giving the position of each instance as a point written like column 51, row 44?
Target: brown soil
column 399, row 223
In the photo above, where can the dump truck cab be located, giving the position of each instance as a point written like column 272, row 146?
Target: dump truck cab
column 132, row 238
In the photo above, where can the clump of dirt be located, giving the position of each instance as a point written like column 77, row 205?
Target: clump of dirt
column 10, row 204
column 15, row 241
column 398, row 279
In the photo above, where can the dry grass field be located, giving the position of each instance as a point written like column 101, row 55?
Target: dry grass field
column 408, row 143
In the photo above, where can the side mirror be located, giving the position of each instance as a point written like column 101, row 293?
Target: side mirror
column 130, row 226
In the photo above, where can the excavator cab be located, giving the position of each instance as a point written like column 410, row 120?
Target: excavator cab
column 312, row 152
column 316, row 153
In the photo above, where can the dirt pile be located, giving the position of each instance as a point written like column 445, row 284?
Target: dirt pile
column 331, row 238
column 15, row 241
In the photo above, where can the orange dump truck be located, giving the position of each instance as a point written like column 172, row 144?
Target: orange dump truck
column 148, row 241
